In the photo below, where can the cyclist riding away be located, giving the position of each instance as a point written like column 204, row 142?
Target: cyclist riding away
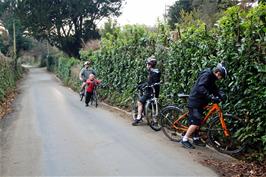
column 84, row 74
column 91, row 84
column 203, row 91
column 153, row 77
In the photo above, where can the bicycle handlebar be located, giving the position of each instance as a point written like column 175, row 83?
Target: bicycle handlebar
column 182, row 95
column 150, row 86
column 216, row 100
column 213, row 99
column 143, row 87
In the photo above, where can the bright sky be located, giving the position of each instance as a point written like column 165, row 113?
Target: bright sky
column 143, row 11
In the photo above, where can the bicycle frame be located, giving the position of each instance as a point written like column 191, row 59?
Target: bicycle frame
column 213, row 108
column 152, row 99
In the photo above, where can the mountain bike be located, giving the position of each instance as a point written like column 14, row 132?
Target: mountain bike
column 151, row 107
column 217, row 129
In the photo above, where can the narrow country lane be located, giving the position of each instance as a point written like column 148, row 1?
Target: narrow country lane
column 51, row 133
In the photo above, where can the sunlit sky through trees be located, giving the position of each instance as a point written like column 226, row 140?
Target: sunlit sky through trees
column 143, row 11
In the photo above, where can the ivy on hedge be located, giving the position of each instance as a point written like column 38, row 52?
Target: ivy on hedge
column 239, row 40
column 64, row 68
column 120, row 62
column 8, row 77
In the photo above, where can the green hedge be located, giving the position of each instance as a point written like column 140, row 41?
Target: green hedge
column 67, row 69
column 8, row 77
column 120, row 61
column 242, row 42
column 239, row 40
column 51, row 63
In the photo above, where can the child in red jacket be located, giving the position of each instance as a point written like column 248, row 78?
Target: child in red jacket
column 91, row 84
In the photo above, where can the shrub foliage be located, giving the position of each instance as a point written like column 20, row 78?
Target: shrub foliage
column 8, row 77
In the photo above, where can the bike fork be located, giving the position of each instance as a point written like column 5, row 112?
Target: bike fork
column 155, row 111
column 226, row 131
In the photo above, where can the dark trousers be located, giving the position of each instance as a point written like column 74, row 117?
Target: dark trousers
column 88, row 97
column 195, row 118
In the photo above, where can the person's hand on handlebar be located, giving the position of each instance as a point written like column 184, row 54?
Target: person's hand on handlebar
column 216, row 100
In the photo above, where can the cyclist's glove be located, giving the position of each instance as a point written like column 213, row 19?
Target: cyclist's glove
column 215, row 99
column 222, row 96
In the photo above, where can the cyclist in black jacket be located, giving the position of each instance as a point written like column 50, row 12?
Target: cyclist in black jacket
column 153, row 77
column 203, row 91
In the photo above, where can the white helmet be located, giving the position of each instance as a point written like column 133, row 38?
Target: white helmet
column 221, row 68
column 87, row 63
column 151, row 61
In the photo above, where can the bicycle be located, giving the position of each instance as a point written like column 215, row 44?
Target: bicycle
column 219, row 131
column 151, row 107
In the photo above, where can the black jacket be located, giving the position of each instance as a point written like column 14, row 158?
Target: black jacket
column 202, row 90
column 154, row 77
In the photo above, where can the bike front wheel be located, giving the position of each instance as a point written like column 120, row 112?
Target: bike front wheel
column 152, row 116
column 171, row 130
column 94, row 99
column 226, row 144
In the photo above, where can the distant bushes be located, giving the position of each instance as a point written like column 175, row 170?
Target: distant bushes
column 8, row 77
column 51, row 63
column 67, row 69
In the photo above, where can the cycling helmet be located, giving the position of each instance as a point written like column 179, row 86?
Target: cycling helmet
column 151, row 61
column 221, row 68
column 87, row 63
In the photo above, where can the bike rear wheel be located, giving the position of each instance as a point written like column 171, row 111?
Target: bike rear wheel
column 169, row 115
column 228, row 145
column 134, row 106
column 152, row 117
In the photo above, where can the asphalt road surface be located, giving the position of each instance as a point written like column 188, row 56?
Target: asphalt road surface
column 51, row 133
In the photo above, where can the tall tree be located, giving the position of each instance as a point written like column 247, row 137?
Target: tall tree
column 9, row 20
column 206, row 10
column 66, row 24
column 174, row 11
